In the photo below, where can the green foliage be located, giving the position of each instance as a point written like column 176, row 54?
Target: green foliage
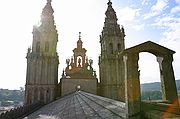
column 156, row 86
column 11, row 95
column 152, row 95
column 6, row 103
column 178, row 93
column 153, row 90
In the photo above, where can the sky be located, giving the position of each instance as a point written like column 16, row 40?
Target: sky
column 143, row 20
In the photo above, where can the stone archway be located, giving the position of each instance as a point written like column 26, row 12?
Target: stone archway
column 132, row 81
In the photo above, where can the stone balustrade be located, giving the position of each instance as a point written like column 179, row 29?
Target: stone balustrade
column 21, row 111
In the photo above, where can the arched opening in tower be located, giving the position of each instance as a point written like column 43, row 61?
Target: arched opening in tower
column 79, row 61
column 110, row 48
column 149, row 74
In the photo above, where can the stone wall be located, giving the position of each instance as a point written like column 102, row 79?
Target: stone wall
column 160, row 110
column 71, row 85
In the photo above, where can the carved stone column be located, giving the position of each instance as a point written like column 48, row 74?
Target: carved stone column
column 39, row 93
column 169, row 91
column 45, row 91
column 51, row 94
column 32, row 96
column 132, row 86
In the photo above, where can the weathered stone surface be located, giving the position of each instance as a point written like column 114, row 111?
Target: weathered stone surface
column 132, row 80
column 70, row 85
column 79, row 72
column 81, row 105
column 110, row 62
column 119, row 75
column 43, row 60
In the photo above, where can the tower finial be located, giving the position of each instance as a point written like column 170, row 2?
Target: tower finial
column 79, row 35
column 47, row 13
column 49, row 1
column 109, row 3
column 79, row 42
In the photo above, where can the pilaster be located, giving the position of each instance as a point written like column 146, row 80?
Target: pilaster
column 132, row 86
column 169, row 91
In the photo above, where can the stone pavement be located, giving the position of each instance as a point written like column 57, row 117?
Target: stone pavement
column 81, row 105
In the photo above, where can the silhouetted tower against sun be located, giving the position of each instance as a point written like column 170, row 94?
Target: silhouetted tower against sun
column 42, row 61
column 110, row 62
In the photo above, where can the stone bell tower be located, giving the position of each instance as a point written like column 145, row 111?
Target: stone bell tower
column 79, row 73
column 42, row 60
column 110, row 62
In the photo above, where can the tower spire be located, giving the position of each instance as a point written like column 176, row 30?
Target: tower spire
column 111, row 21
column 43, row 43
column 49, row 1
column 109, row 3
column 79, row 35
column 47, row 13
column 79, row 42
column 110, row 13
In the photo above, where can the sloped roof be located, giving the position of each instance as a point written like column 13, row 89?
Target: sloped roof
column 149, row 46
column 81, row 105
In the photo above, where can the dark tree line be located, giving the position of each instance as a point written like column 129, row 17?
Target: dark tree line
column 11, row 95
column 151, row 95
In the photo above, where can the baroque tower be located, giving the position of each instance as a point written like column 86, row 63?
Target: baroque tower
column 42, row 60
column 79, row 72
column 110, row 62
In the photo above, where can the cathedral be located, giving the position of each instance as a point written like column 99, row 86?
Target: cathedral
column 116, row 93
column 43, row 60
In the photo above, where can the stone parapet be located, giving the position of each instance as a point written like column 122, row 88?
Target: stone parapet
column 21, row 111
